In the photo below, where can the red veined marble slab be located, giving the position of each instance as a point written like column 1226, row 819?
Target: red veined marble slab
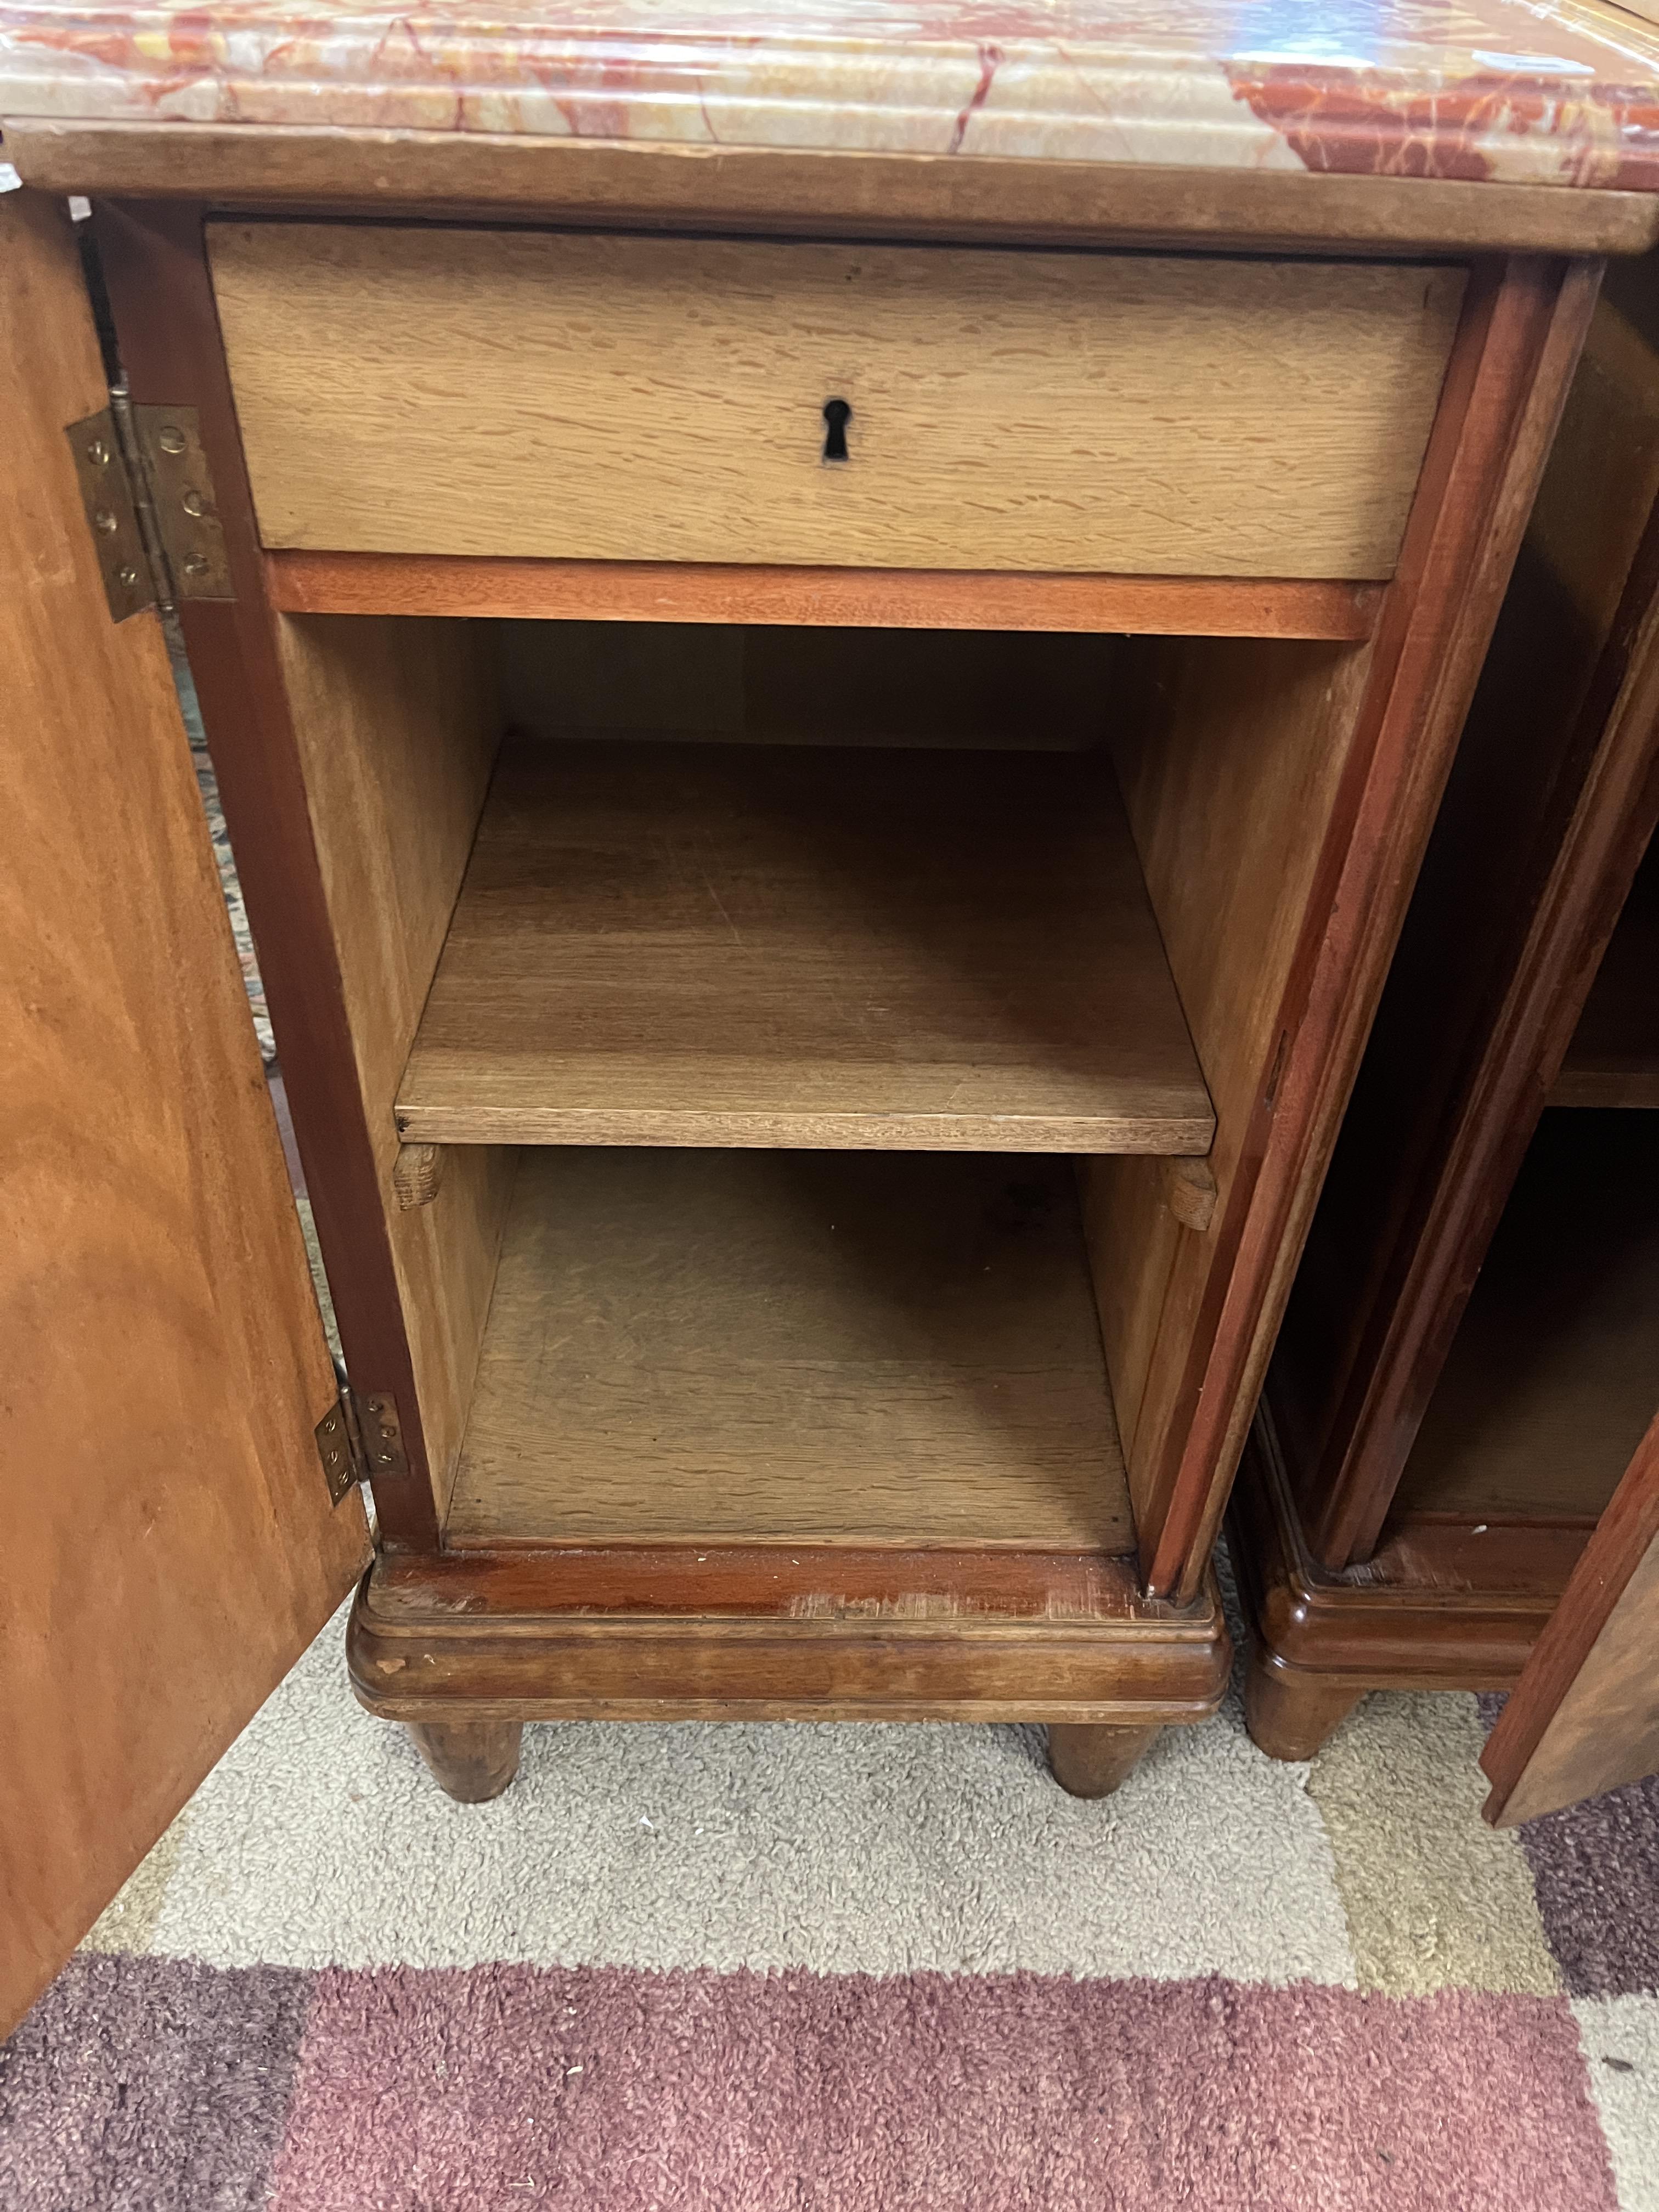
column 1565, row 92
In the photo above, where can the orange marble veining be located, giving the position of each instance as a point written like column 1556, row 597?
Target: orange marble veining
column 1561, row 92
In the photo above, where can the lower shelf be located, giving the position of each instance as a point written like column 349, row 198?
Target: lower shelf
column 796, row 1348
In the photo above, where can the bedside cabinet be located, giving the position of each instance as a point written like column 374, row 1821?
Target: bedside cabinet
column 826, row 762
column 1454, row 1481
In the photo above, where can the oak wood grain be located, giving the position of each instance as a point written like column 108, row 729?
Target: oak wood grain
column 864, row 598
column 1584, row 1716
column 397, row 728
column 866, row 1348
column 170, row 1545
column 1231, row 754
column 480, row 175
column 639, row 398
column 803, row 945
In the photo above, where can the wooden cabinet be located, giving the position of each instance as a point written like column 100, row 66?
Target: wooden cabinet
column 815, row 995
column 1455, row 1460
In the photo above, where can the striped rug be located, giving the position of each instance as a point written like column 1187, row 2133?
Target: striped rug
column 789, row 1969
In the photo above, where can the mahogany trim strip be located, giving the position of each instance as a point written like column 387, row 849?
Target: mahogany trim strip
column 154, row 265
column 483, row 175
column 794, row 1582
column 306, row 583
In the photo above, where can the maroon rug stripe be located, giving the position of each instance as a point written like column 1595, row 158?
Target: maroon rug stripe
column 142, row 2084
column 431, row 2092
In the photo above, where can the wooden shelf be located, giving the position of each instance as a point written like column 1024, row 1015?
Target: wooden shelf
column 782, row 945
column 1554, row 1375
column 872, row 1349
column 1613, row 1057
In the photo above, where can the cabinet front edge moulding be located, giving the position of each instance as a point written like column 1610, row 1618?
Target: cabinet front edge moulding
column 306, row 583
column 294, row 168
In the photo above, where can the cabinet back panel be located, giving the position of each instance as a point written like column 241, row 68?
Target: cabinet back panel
column 1554, row 1375
column 1041, row 690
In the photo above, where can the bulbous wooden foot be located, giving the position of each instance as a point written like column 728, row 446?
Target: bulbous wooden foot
column 1291, row 1714
column 473, row 1760
column 1090, row 1761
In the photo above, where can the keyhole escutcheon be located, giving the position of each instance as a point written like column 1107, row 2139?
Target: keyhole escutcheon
column 836, row 416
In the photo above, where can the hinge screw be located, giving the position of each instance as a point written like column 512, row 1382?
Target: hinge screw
column 194, row 504
column 105, row 522
column 129, row 576
column 98, row 454
column 195, row 566
column 171, row 440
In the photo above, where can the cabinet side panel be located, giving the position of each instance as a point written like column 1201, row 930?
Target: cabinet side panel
column 1230, row 769
column 170, row 1548
column 396, row 723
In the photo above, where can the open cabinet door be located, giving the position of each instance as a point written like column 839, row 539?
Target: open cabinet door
column 168, row 1546
column 1584, row 1716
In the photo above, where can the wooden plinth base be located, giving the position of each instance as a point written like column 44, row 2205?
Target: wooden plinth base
column 467, row 1649
column 1443, row 1606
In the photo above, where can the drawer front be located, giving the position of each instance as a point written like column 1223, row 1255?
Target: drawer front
column 597, row 398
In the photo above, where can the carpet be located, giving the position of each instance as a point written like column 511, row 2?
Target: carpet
column 797, row 1969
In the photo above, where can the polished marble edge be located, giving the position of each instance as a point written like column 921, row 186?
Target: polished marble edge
column 1565, row 93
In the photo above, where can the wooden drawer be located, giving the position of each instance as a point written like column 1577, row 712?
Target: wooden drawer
column 599, row 397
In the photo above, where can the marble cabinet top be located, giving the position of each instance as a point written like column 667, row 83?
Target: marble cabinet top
column 1562, row 92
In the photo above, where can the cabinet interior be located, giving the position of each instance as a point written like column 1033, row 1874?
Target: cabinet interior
column 808, row 1019
column 1613, row 1057
column 1553, row 1375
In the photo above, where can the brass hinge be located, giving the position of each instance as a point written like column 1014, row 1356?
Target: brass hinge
column 150, row 505
column 360, row 1439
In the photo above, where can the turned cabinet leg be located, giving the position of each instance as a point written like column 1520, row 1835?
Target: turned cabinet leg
column 1090, row 1761
column 1293, row 1714
column 473, row 1760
